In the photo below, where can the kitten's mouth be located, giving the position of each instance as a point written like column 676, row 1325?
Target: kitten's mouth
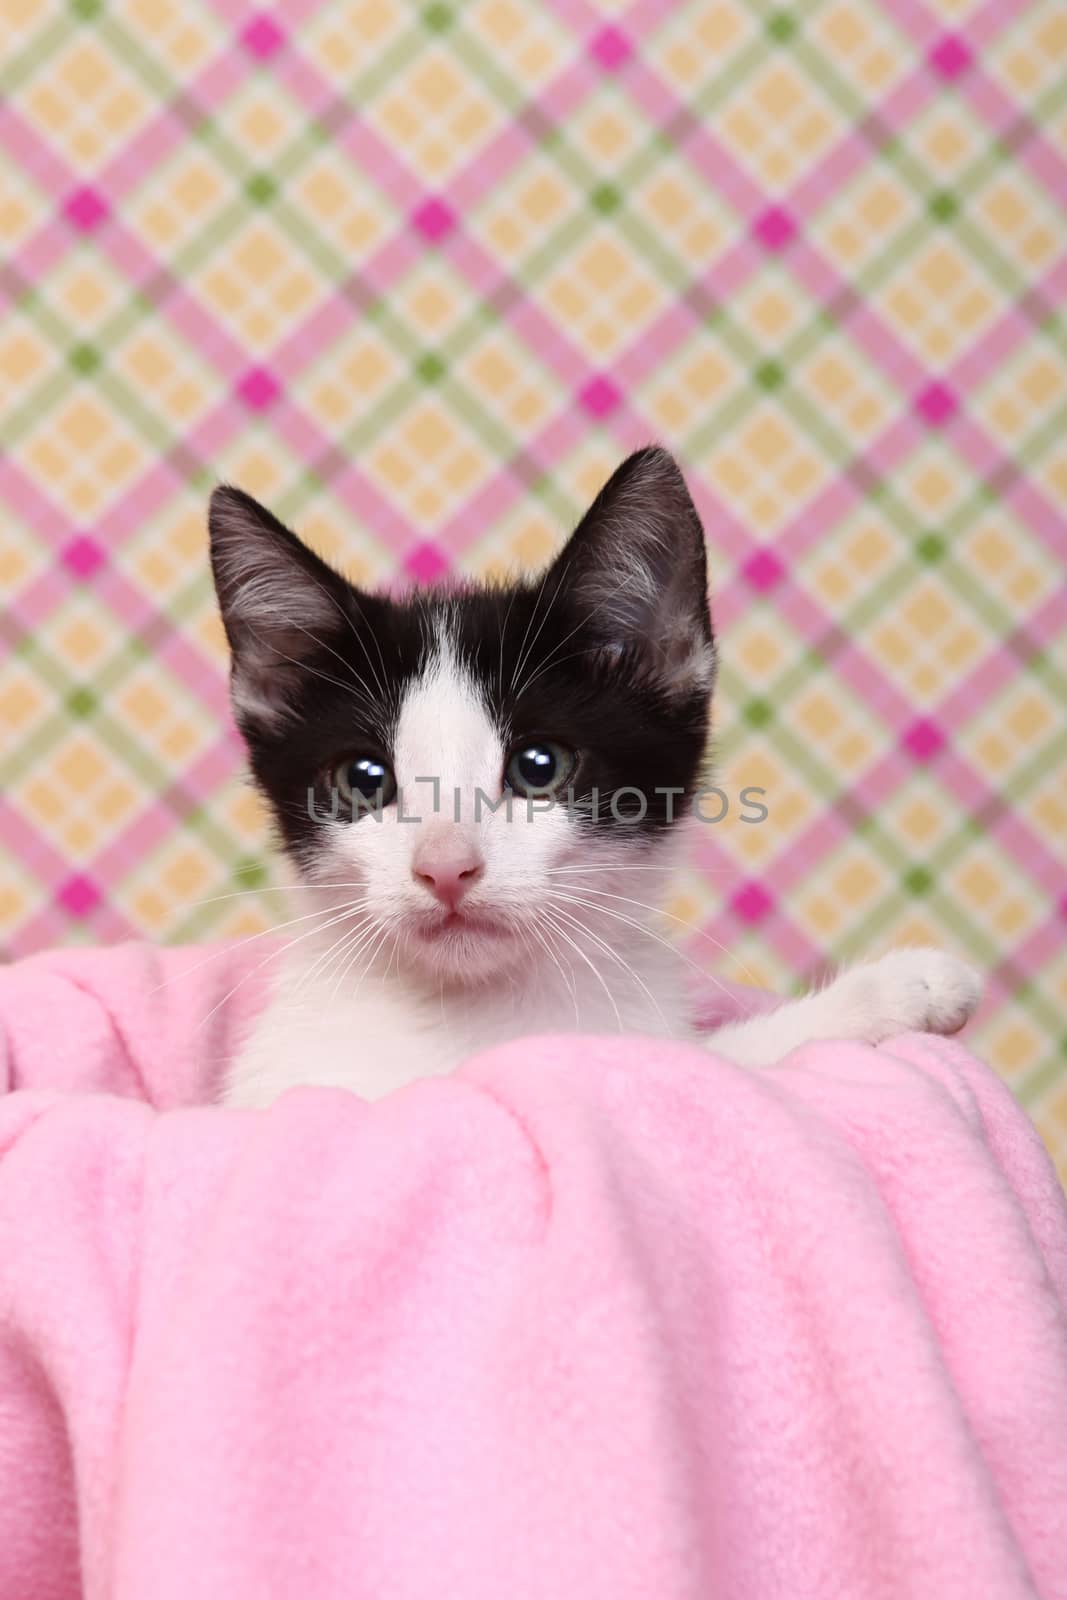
column 459, row 924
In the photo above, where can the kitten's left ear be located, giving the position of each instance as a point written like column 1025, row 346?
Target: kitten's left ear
column 636, row 565
column 280, row 605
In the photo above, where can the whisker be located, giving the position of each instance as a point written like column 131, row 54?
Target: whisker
column 649, row 933
column 551, row 661
column 529, row 625
column 354, row 947
column 269, row 888
column 321, row 643
column 527, row 653
column 273, row 956
column 625, row 965
column 359, row 638
column 594, row 969
column 583, row 621
column 378, row 648
column 644, row 905
column 322, row 962
column 568, row 977
column 370, row 959
column 614, row 867
column 229, row 948
column 503, row 630
column 307, row 667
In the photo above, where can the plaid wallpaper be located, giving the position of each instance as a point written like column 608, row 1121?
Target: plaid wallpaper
column 419, row 275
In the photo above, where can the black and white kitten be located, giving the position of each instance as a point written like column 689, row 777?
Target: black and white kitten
column 483, row 790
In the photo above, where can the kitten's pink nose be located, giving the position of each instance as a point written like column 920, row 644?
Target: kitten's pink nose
column 448, row 864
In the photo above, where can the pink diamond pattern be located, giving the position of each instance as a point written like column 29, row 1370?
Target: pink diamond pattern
column 611, row 48
column 86, row 209
column 774, row 228
column 428, row 562
column 82, row 556
column 924, row 739
column 763, row 570
column 258, row 389
column 600, row 397
column 950, row 57
column 936, row 404
column 262, row 37
column 79, row 896
column 433, row 219
column 753, row 902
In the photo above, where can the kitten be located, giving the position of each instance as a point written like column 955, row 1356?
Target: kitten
column 483, row 791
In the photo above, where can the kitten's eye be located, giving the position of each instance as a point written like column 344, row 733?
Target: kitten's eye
column 540, row 767
column 366, row 782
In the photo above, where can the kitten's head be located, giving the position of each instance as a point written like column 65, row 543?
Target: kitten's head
column 464, row 762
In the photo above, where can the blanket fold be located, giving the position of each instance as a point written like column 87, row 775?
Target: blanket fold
column 593, row 1318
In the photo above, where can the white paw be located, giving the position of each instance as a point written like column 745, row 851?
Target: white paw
column 907, row 991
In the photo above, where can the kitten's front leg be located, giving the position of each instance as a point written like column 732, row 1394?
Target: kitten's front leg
column 905, row 991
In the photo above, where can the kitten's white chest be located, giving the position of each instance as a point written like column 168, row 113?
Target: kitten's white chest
column 385, row 1035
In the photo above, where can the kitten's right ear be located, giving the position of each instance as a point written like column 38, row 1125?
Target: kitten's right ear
column 637, row 569
column 280, row 603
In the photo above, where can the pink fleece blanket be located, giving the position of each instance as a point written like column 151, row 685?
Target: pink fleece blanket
column 593, row 1319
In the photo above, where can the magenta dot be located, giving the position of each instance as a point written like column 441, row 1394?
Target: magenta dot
column 82, row 556
column 775, row 228
column 763, row 570
column 599, row 397
column 611, row 48
column 427, row 562
column 950, row 57
column 258, row 389
column 262, row 37
column 936, row 404
column 923, row 739
column 79, row 896
column 433, row 219
column 752, row 902
column 85, row 209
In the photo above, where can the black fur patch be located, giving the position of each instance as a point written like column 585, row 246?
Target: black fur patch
column 549, row 660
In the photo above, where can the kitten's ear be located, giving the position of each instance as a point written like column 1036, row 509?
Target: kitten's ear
column 636, row 565
column 280, row 603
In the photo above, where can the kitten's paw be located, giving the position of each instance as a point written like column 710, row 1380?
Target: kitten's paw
column 924, row 991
